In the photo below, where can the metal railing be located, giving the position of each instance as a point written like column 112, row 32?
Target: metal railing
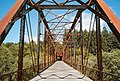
column 28, row 73
column 93, row 72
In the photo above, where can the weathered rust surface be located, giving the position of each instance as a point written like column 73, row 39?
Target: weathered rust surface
column 9, row 16
column 113, row 19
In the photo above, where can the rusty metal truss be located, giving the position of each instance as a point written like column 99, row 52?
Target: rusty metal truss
column 58, row 27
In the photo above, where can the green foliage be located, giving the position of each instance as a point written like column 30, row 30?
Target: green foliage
column 109, row 41
column 110, row 47
column 110, row 53
column 8, row 58
column 111, row 61
column 111, row 64
column 104, row 39
column 85, row 37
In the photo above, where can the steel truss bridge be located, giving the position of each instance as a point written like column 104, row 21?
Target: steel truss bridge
column 58, row 29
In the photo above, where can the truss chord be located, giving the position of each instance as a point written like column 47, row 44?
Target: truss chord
column 81, row 44
column 60, row 16
column 21, row 49
column 8, row 20
column 71, row 34
column 67, row 40
column 31, row 34
column 30, row 43
column 64, row 25
column 89, row 41
column 60, row 20
column 47, row 27
column 52, row 37
column 38, row 45
column 74, row 46
column 72, row 27
column 99, row 49
column 61, row 25
column 44, row 20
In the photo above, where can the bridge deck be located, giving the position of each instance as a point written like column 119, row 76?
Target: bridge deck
column 60, row 71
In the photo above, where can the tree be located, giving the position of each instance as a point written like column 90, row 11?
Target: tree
column 85, row 37
column 109, row 41
column 104, row 39
column 93, row 43
column 7, row 60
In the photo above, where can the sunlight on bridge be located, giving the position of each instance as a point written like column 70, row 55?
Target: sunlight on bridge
column 70, row 31
column 60, row 71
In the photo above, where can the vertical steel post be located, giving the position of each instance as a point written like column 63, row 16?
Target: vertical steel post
column 67, row 52
column 50, row 55
column 44, row 47
column 54, row 54
column 38, row 45
column 63, row 56
column 74, row 47
column 99, row 51
column 21, row 49
column 48, row 51
column 81, row 44
column 71, row 51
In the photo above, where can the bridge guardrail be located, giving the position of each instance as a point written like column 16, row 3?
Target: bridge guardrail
column 92, row 72
column 12, row 76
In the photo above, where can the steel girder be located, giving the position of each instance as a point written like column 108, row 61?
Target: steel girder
column 21, row 49
column 47, row 27
column 106, row 14
column 12, row 16
column 99, row 48
column 7, row 22
column 61, row 7
column 73, row 26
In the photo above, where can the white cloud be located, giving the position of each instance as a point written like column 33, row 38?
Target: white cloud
column 27, row 39
column 86, row 17
column 34, row 39
column 86, row 20
column 103, row 24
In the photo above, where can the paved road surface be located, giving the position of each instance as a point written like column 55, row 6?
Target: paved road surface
column 60, row 71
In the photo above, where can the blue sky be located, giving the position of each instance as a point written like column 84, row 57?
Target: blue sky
column 13, row 35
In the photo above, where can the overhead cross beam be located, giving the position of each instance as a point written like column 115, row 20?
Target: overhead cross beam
column 16, row 12
column 18, row 15
column 61, row 7
column 34, row 5
column 47, row 27
column 73, row 26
